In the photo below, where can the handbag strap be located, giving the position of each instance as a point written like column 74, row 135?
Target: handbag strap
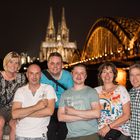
column 48, row 75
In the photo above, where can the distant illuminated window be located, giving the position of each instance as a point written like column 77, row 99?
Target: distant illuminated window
column 121, row 77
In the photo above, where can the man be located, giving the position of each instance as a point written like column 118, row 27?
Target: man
column 79, row 107
column 134, row 73
column 57, row 130
column 32, row 107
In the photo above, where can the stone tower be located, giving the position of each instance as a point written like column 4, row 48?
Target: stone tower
column 58, row 42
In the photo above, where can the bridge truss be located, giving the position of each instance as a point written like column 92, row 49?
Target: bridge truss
column 112, row 39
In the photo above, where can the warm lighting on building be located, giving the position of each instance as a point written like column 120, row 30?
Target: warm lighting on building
column 121, row 77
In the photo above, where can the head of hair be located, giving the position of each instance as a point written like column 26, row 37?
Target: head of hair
column 137, row 65
column 8, row 57
column 80, row 65
column 105, row 66
column 55, row 54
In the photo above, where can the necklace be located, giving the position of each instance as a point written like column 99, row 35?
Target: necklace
column 109, row 90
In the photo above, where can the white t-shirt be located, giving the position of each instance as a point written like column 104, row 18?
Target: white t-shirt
column 31, row 126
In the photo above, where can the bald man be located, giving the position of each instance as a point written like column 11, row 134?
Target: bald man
column 32, row 106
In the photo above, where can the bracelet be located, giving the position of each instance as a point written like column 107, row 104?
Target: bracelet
column 109, row 126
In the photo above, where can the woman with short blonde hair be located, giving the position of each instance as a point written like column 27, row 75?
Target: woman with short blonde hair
column 10, row 81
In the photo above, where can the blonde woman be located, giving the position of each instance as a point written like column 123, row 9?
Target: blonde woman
column 10, row 81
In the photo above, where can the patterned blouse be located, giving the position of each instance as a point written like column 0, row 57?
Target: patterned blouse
column 112, row 107
column 8, row 89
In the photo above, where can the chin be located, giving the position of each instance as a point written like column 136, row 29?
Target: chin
column 137, row 86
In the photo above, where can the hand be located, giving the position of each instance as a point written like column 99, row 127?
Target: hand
column 45, row 102
column 103, row 131
column 69, row 110
column 42, row 104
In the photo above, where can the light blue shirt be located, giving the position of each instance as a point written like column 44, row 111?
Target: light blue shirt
column 65, row 79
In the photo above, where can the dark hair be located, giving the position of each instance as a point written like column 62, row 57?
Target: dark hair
column 104, row 66
column 137, row 65
column 55, row 54
column 80, row 65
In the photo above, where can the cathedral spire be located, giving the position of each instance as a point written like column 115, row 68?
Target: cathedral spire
column 63, row 20
column 50, row 29
column 64, row 29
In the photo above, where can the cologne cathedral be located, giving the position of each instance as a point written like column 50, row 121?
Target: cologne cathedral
column 58, row 41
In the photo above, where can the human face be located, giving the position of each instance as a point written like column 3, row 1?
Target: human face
column 134, row 76
column 107, row 75
column 12, row 65
column 79, row 75
column 55, row 65
column 34, row 74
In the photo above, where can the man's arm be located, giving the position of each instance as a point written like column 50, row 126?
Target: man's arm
column 69, row 114
column 18, row 112
column 47, row 111
column 63, row 117
column 92, row 113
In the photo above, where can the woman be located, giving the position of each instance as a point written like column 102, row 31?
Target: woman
column 10, row 80
column 115, row 104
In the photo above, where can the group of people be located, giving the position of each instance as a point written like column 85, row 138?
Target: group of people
column 55, row 104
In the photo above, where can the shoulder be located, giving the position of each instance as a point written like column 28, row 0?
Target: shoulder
column 66, row 72
column 121, row 88
column 91, row 90
column 21, row 75
column 68, row 91
column 23, row 88
column 98, row 89
column 46, row 86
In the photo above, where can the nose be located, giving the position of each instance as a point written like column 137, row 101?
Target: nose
column 107, row 73
column 55, row 65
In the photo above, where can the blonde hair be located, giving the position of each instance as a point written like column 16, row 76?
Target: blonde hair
column 8, row 57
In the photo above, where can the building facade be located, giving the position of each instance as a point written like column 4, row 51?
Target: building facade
column 58, row 41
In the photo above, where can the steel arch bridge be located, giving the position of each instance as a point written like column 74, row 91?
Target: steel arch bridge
column 113, row 39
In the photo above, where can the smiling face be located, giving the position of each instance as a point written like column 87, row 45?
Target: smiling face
column 12, row 62
column 134, row 76
column 107, row 75
column 79, row 75
column 55, row 65
column 12, row 65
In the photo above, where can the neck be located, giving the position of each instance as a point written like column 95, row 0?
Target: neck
column 34, row 87
column 79, row 87
column 9, row 75
column 56, row 76
column 109, row 87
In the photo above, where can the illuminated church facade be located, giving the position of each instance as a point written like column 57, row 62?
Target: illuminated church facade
column 58, row 41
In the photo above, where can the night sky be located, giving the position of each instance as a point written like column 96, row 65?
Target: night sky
column 23, row 23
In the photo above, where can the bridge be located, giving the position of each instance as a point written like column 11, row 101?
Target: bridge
column 112, row 39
